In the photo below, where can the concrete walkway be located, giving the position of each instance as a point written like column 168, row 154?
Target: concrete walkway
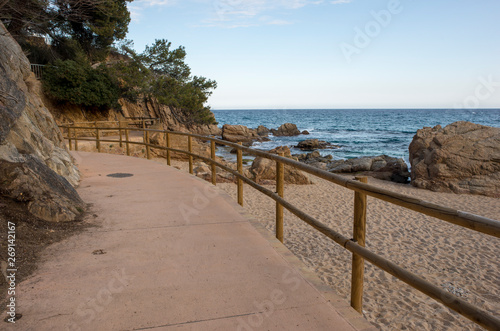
column 171, row 252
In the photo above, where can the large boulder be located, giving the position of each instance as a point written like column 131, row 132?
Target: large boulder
column 313, row 144
column 239, row 133
column 462, row 157
column 381, row 167
column 265, row 169
column 35, row 166
column 287, row 129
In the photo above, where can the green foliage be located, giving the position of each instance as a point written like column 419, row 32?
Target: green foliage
column 162, row 61
column 80, row 84
column 161, row 73
column 93, row 24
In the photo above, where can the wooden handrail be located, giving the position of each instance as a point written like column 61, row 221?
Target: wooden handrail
column 467, row 220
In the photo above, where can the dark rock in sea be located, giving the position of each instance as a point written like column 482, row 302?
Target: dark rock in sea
column 313, row 144
column 313, row 158
column 287, row 129
column 381, row 167
column 238, row 133
column 262, row 131
column 462, row 157
column 305, row 132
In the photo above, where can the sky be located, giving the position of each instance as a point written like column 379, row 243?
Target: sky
column 294, row 54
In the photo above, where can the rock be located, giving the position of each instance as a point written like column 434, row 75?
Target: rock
column 463, row 157
column 305, row 132
column 381, row 167
column 281, row 149
column 287, row 129
column 265, row 169
column 312, row 144
column 239, row 133
column 35, row 166
column 263, row 131
column 49, row 196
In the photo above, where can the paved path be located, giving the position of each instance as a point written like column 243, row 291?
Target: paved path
column 170, row 252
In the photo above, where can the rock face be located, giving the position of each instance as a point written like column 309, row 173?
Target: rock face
column 170, row 118
column 462, row 157
column 35, row 165
column 381, row 167
column 287, row 129
column 313, row 144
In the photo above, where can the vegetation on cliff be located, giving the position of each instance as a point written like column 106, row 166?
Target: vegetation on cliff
column 84, row 69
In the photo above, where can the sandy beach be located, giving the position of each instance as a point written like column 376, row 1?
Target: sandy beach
column 444, row 254
column 456, row 259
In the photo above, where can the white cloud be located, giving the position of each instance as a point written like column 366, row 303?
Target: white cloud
column 246, row 13
column 340, row 2
column 138, row 6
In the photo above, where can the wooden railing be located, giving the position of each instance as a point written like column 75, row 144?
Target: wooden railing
column 360, row 187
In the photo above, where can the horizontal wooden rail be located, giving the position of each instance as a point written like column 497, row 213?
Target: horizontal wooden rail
column 467, row 220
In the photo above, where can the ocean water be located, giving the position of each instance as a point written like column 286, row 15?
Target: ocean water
column 359, row 132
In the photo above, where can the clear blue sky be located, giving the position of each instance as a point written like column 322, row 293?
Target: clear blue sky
column 288, row 54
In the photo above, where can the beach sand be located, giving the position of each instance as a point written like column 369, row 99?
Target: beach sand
column 447, row 255
column 442, row 253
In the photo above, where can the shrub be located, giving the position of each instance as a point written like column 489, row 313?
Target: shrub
column 80, row 84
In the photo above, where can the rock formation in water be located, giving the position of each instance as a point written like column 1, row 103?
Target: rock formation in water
column 35, row 166
column 240, row 133
column 313, row 144
column 287, row 129
column 462, row 157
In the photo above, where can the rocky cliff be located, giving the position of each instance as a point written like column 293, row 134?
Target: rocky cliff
column 170, row 118
column 35, row 166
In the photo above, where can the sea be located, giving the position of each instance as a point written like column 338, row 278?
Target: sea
column 358, row 132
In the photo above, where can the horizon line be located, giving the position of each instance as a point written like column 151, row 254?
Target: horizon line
column 419, row 108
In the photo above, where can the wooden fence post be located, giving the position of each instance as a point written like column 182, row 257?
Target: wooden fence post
column 120, row 132
column 97, row 138
column 148, row 148
column 127, row 140
column 214, row 168
column 69, row 139
column 76, row 139
column 358, row 263
column 239, row 157
column 190, row 150
column 144, row 129
column 168, row 146
column 280, row 180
